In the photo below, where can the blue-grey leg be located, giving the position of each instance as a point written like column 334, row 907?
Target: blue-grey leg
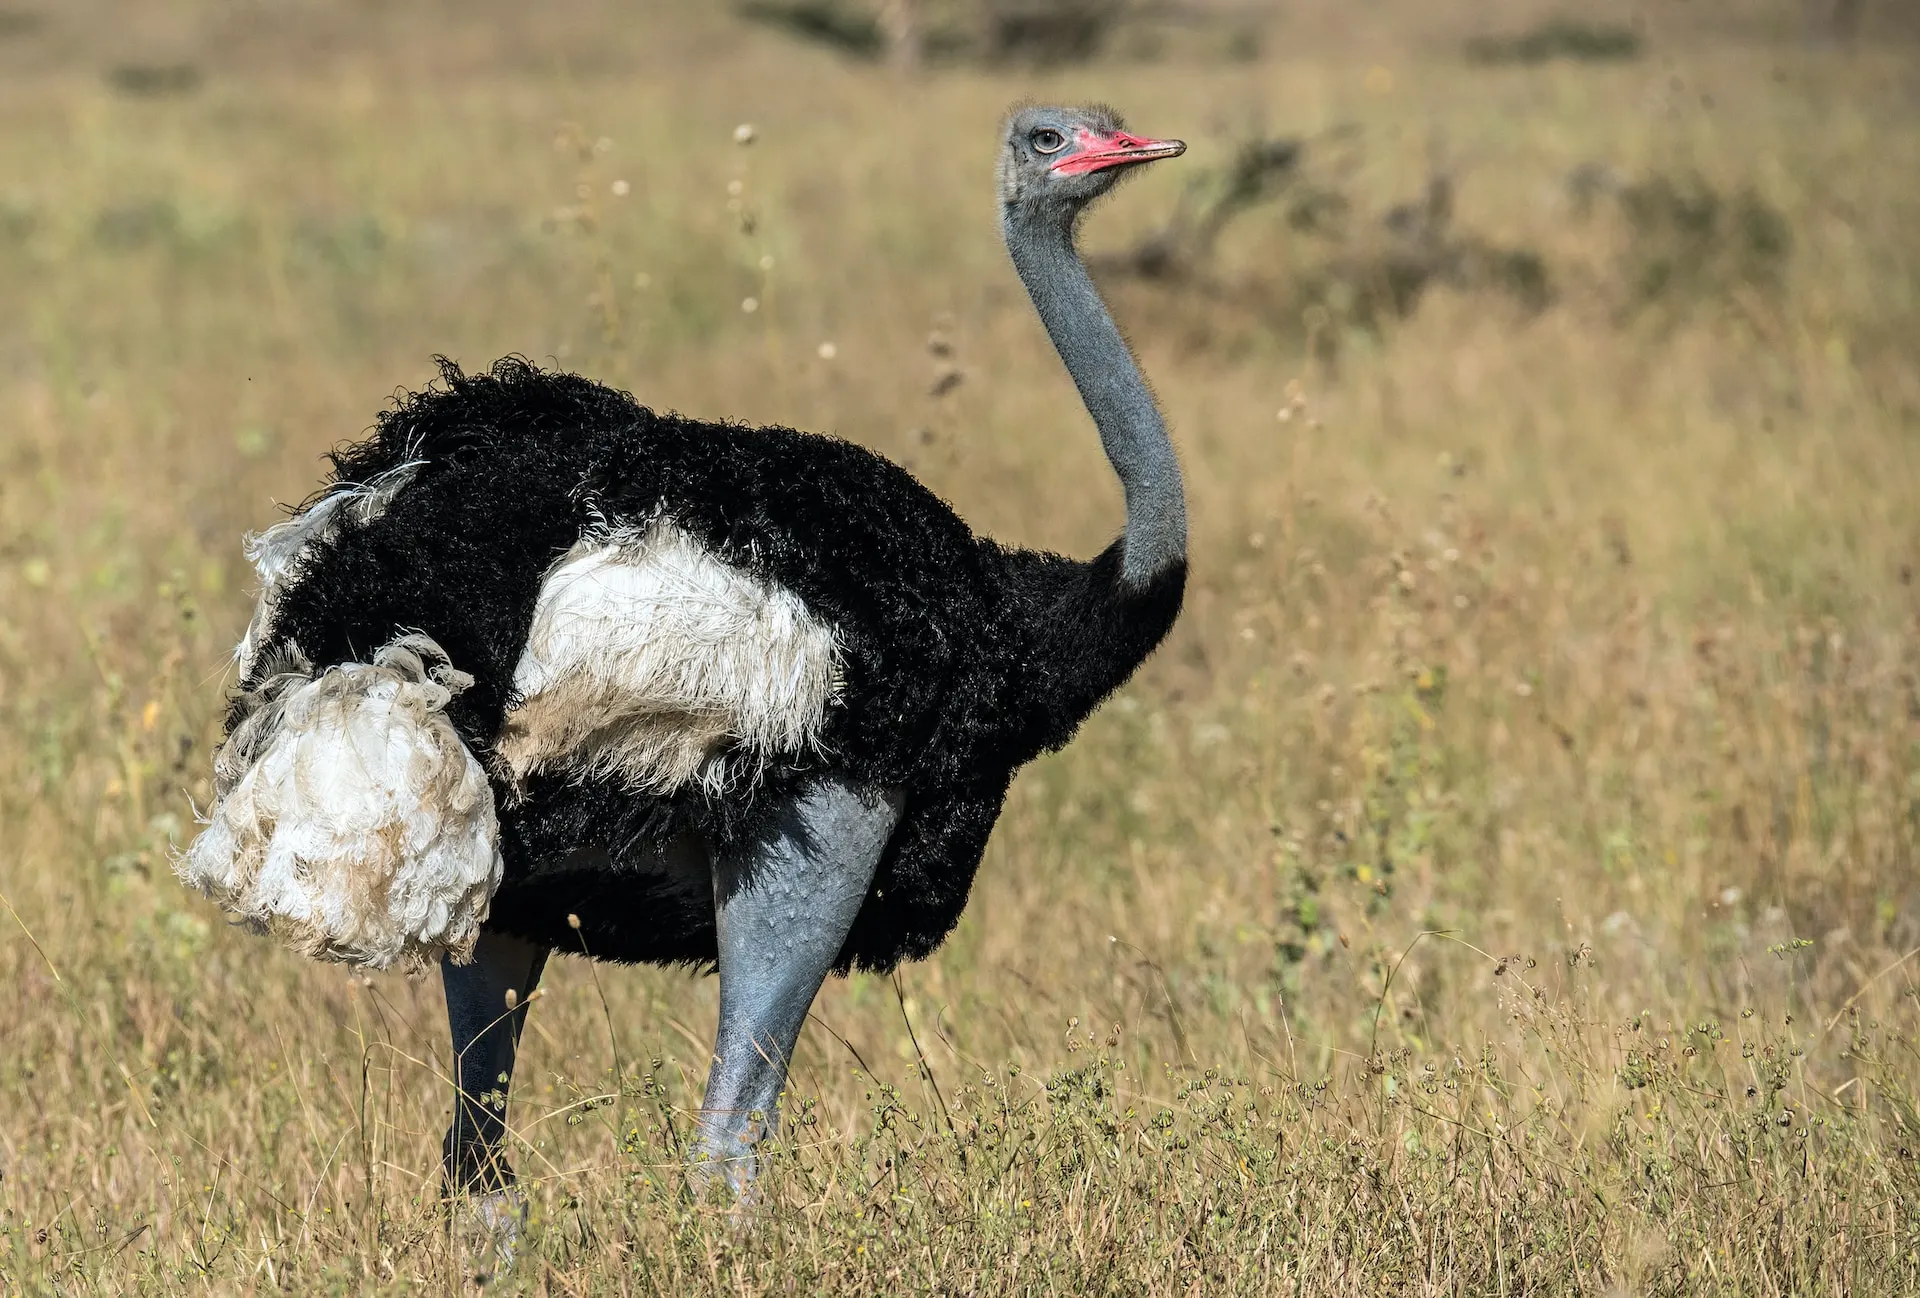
column 486, row 1032
column 785, row 902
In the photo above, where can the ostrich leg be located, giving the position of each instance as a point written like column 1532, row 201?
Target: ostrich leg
column 485, row 1035
column 784, row 901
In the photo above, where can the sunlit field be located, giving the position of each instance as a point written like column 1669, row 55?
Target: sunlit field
column 1503, row 881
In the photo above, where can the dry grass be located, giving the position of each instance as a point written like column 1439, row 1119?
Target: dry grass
column 1503, row 882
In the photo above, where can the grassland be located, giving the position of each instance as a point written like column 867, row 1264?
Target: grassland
column 1503, row 882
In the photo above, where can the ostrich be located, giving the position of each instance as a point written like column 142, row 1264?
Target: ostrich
column 542, row 670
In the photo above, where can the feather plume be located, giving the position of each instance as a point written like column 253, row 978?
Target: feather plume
column 349, row 819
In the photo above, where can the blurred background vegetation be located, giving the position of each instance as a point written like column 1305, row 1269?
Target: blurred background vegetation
column 1502, row 881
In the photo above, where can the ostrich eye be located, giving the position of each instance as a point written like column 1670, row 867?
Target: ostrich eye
column 1047, row 140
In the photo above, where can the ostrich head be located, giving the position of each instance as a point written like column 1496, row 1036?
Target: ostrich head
column 1057, row 160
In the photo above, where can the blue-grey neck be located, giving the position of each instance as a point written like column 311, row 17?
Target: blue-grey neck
column 1110, row 383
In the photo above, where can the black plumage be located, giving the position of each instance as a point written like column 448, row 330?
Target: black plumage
column 963, row 659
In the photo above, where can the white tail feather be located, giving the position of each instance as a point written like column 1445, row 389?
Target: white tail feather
column 351, row 820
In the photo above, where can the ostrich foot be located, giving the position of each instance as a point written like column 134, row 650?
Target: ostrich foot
column 723, row 1159
column 723, row 1168
column 494, row 1221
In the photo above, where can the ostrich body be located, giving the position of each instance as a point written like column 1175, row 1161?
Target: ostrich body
column 542, row 670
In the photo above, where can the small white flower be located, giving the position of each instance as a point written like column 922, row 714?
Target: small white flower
column 744, row 133
column 736, row 187
column 828, row 351
column 621, row 189
column 750, row 305
column 766, row 262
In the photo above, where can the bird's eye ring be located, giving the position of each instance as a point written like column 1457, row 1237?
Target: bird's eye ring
column 1047, row 140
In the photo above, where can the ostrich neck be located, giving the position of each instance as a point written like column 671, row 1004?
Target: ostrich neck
column 1131, row 430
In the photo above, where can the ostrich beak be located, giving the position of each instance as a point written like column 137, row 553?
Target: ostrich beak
column 1099, row 152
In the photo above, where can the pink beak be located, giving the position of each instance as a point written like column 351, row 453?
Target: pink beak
column 1099, row 152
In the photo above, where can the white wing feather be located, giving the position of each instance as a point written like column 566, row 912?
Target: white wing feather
column 652, row 658
column 276, row 552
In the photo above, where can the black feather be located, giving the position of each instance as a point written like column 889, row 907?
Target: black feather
column 963, row 659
